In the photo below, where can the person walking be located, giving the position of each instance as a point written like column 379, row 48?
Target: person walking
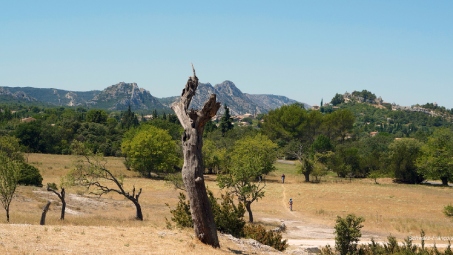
column 283, row 178
column 290, row 204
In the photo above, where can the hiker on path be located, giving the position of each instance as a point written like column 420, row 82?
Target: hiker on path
column 290, row 204
column 283, row 178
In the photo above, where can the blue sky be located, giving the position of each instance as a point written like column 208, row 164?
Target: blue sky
column 305, row 50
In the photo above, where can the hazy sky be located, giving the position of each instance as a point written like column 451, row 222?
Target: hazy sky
column 305, row 50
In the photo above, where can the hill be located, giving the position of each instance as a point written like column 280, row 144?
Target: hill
column 119, row 96
column 238, row 102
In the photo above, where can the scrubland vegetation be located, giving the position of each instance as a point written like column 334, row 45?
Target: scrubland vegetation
column 393, row 168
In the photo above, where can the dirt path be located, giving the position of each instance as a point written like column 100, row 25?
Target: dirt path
column 304, row 234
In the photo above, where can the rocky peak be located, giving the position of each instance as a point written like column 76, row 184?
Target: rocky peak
column 121, row 95
column 228, row 88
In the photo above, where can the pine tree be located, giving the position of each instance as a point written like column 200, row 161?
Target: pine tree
column 226, row 121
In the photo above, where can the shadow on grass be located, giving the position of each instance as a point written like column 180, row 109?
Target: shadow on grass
column 236, row 251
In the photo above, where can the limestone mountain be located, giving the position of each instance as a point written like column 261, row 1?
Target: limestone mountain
column 238, row 102
column 121, row 95
column 50, row 96
column 114, row 97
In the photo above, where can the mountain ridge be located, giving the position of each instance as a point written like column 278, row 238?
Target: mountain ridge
column 119, row 96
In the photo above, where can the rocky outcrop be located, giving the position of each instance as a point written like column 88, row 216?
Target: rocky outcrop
column 121, row 95
column 239, row 103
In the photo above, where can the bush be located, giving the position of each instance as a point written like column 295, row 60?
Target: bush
column 29, row 175
column 393, row 247
column 266, row 237
column 228, row 217
column 347, row 233
column 448, row 210
column 181, row 214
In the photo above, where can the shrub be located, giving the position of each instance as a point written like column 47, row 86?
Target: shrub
column 181, row 214
column 29, row 175
column 347, row 233
column 267, row 237
column 448, row 210
column 228, row 217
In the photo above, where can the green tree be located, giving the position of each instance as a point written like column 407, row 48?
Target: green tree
column 150, row 149
column 337, row 99
column 29, row 135
column 213, row 157
column 10, row 146
column 129, row 119
column 97, row 116
column 347, row 233
column 226, row 123
column 402, row 158
column 250, row 158
column 9, row 177
column 436, row 161
column 338, row 124
column 285, row 124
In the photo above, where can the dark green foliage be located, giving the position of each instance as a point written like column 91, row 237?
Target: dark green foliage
column 30, row 175
column 346, row 161
column 267, row 237
column 29, row 135
column 97, row 116
column 337, row 99
column 129, row 119
column 228, row 217
column 448, row 210
column 209, row 127
column 181, row 214
column 226, row 123
column 365, row 95
column 174, row 129
column 321, row 144
column 347, row 233
column 401, row 160
column 391, row 247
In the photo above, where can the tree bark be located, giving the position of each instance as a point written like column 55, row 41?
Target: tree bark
column 193, row 122
column 139, row 214
column 43, row 215
column 61, row 196
column 248, row 207
column 444, row 181
column 307, row 177
column 7, row 213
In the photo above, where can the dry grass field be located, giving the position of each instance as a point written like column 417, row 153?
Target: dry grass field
column 105, row 225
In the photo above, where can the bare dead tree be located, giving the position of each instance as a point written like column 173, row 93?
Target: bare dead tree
column 91, row 172
column 52, row 187
column 193, row 122
column 44, row 212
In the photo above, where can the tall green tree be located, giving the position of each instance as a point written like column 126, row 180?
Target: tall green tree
column 129, row 119
column 250, row 158
column 337, row 99
column 402, row 158
column 436, row 161
column 9, row 177
column 97, row 116
column 286, row 123
column 226, row 122
column 150, row 149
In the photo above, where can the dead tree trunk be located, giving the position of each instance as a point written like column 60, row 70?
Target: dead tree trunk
column 61, row 196
column 193, row 122
column 44, row 212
